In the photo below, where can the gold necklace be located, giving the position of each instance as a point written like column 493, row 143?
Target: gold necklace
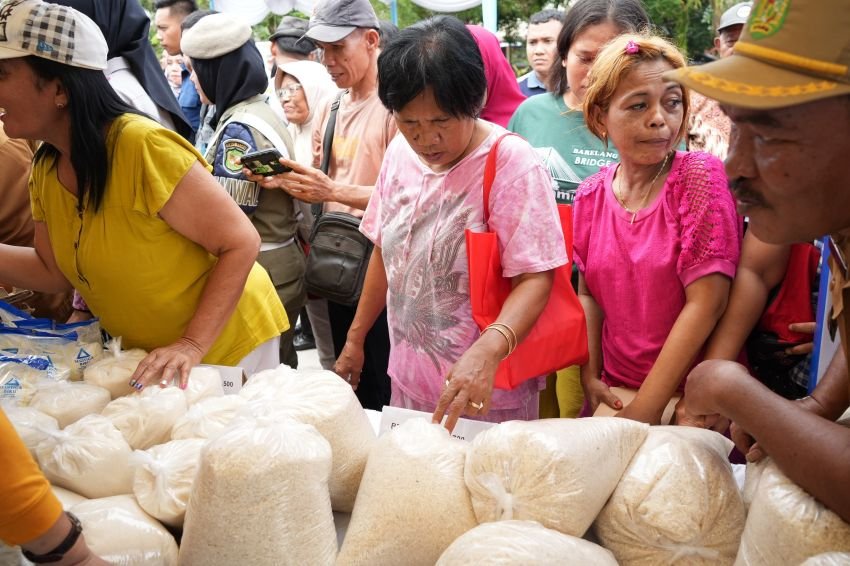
column 622, row 201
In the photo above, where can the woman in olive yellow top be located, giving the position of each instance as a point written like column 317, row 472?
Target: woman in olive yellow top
column 127, row 211
column 30, row 515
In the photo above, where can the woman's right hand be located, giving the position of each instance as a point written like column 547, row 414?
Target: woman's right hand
column 596, row 392
column 349, row 365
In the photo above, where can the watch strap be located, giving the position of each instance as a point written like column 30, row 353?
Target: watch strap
column 57, row 553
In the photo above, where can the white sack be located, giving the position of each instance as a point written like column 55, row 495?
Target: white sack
column 522, row 543
column 326, row 401
column 118, row 531
column 68, row 401
column 163, row 478
column 146, row 419
column 677, row 502
column 261, row 498
column 89, row 457
column 413, row 502
column 558, row 472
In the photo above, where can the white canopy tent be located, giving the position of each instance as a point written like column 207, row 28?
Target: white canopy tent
column 254, row 11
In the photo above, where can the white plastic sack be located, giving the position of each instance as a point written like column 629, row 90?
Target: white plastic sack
column 20, row 376
column 261, row 498
column 163, row 478
column 677, row 502
column 520, row 543
column 204, row 382
column 208, row 417
column 31, row 424
column 786, row 525
column 413, row 502
column 558, row 472
column 326, row 401
column 146, row 419
column 89, row 457
column 68, row 401
column 829, row 559
column 114, row 369
column 66, row 497
column 117, row 530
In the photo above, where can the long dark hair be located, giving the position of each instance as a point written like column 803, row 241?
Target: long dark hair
column 92, row 105
column 627, row 15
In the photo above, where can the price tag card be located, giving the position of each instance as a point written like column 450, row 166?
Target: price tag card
column 232, row 378
column 465, row 429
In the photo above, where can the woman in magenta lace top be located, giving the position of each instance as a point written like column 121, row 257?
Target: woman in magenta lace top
column 657, row 238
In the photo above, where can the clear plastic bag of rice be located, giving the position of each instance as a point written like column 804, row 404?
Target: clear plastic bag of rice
column 146, row 419
column 68, row 401
column 20, row 376
column 558, row 472
column 324, row 400
column 829, row 559
column 89, row 457
column 521, row 543
column 204, row 382
column 261, row 498
column 114, row 369
column 413, row 502
column 120, row 532
column 67, row 497
column 786, row 525
column 163, row 478
column 677, row 502
column 208, row 417
column 31, row 424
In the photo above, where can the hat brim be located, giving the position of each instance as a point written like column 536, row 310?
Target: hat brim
column 327, row 33
column 9, row 53
column 748, row 83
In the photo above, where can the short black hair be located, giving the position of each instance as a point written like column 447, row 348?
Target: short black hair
column 544, row 16
column 387, row 31
column 627, row 15
column 184, row 7
column 301, row 47
column 194, row 18
column 439, row 53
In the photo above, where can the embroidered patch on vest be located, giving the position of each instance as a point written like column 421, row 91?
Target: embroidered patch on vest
column 767, row 17
column 232, row 156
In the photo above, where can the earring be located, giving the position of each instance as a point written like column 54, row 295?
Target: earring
column 60, row 105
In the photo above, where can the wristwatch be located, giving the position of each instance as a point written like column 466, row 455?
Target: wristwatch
column 57, row 553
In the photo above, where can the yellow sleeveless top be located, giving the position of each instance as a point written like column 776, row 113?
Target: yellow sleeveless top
column 142, row 278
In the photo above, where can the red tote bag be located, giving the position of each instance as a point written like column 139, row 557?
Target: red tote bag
column 559, row 337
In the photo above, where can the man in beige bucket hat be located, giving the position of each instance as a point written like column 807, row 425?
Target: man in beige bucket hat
column 786, row 89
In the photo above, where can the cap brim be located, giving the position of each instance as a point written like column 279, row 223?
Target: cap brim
column 328, row 34
column 745, row 82
column 8, row 53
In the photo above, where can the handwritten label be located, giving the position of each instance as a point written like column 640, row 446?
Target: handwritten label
column 465, row 429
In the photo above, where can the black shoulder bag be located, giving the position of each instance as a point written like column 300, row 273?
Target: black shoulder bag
column 339, row 253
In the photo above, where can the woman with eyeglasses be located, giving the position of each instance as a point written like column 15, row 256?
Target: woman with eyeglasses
column 301, row 87
column 228, row 71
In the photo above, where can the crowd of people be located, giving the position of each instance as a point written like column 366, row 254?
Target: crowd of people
column 392, row 130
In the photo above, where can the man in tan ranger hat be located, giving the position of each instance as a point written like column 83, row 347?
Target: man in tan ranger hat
column 786, row 89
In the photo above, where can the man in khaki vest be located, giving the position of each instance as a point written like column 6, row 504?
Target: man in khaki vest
column 786, row 89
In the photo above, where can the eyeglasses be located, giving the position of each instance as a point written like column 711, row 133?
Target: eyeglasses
column 290, row 90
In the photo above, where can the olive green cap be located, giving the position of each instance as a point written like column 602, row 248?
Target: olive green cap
column 790, row 52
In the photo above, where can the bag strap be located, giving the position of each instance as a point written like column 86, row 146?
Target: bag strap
column 490, row 173
column 327, row 145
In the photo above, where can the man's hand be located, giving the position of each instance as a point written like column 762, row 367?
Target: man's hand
column 307, row 184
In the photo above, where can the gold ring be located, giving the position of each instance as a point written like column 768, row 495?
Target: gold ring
column 476, row 406
column 164, row 383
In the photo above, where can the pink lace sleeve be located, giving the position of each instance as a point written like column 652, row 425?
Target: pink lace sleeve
column 710, row 227
column 583, row 212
